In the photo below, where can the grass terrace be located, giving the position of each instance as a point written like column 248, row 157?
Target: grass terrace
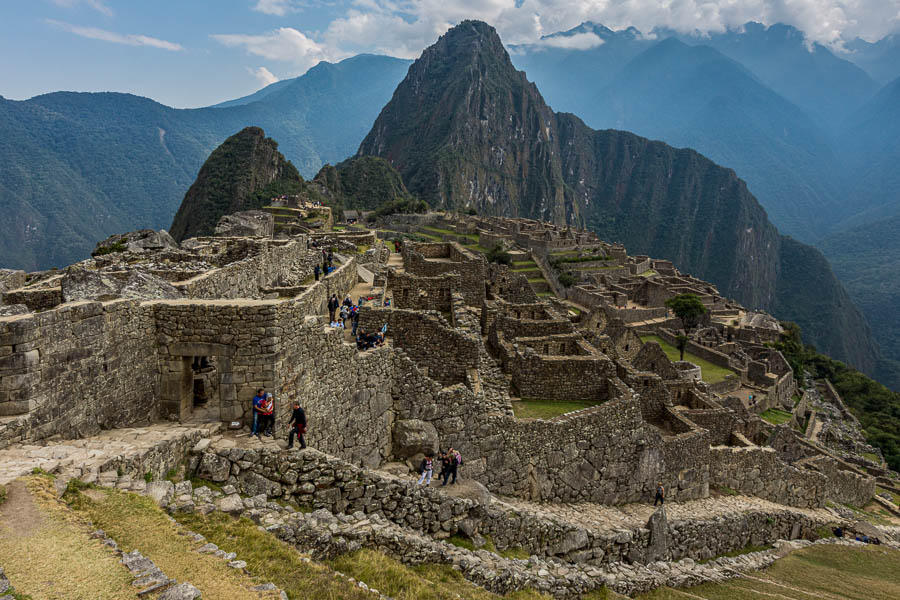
column 776, row 416
column 709, row 372
column 536, row 408
column 469, row 236
column 828, row 572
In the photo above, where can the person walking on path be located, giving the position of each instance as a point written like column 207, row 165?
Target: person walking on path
column 426, row 469
column 256, row 407
column 298, row 426
column 332, row 307
column 660, row 494
column 316, row 271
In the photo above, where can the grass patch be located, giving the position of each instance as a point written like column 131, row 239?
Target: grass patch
column 270, row 559
column 469, row 236
column 649, row 273
column 47, row 552
column 545, row 294
column 866, row 573
column 709, row 372
column 727, row 491
column 197, row 482
column 878, row 490
column 2, row 494
column 515, row 552
column 136, row 522
column 776, row 416
column 873, row 457
column 423, row 582
column 461, row 541
column 534, row 408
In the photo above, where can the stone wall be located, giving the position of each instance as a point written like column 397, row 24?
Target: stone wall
column 272, row 263
column 422, row 293
column 842, row 486
column 446, row 354
column 759, row 472
column 80, row 368
column 451, row 258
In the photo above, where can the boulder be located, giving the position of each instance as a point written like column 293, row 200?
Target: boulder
column 182, row 591
column 11, row 279
column 253, row 484
column 214, row 467
column 248, row 223
column 412, row 437
column 230, row 504
column 658, row 548
column 146, row 286
column 468, row 489
column 79, row 283
column 162, row 492
column 142, row 240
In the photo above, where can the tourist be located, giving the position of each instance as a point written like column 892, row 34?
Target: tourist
column 348, row 302
column 330, row 257
column 332, row 307
column 298, row 420
column 455, row 462
column 361, row 339
column 354, row 318
column 426, row 469
column 256, row 407
column 660, row 494
column 838, row 532
column 316, row 271
column 345, row 314
column 446, row 461
column 267, row 414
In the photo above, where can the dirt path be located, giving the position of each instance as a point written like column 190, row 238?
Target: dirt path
column 47, row 553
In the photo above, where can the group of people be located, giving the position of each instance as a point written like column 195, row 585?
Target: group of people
column 860, row 537
column 343, row 314
column 450, row 462
column 264, row 418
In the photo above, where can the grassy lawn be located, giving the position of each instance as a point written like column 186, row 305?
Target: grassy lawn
column 536, row 280
column 545, row 294
column 46, row 550
column 533, row 408
column 895, row 498
column 137, row 523
column 776, row 416
column 828, row 572
column 468, row 236
column 709, row 372
column 649, row 273
column 873, row 457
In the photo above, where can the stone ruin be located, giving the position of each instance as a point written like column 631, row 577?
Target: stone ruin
column 148, row 330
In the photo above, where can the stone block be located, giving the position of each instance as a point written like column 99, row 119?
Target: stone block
column 412, row 436
column 162, row 492
column 214, row 467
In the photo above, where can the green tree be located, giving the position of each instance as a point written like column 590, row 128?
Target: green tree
column 688, row 308
column 499, row 255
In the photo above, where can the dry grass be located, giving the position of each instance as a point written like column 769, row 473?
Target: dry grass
column 424, row 582
column 273, row 560
column 136, row 523
column 824, row 572
column 47, row 552
column 532, row 408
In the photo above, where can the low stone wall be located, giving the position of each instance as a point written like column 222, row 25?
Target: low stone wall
column 842, row 486
column 759, row 472
column 36, row 299
column 318, row 481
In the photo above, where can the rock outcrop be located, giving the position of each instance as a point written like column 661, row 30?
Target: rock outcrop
column 242, row 174
column 248, row 223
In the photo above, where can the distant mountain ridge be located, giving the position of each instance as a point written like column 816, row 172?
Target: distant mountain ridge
column 78, row 167
column 465, row 129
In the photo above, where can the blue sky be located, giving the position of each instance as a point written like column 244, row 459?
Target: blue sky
column 188, row 53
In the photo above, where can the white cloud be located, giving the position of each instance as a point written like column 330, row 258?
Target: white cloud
column 404, row 27
column 95, row 4
column 285, row 44
column 129, row 39
column 577, row 41
column 263, row 75
column 274, row 7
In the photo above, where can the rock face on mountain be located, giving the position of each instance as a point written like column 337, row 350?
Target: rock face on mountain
column 465, row 129
column 361, row 182
column 241, row 174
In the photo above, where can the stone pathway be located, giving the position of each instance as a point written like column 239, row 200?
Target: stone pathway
column 138, row 451
column 600, row 518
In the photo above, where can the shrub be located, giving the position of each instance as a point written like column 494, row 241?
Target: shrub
column 566, row 280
